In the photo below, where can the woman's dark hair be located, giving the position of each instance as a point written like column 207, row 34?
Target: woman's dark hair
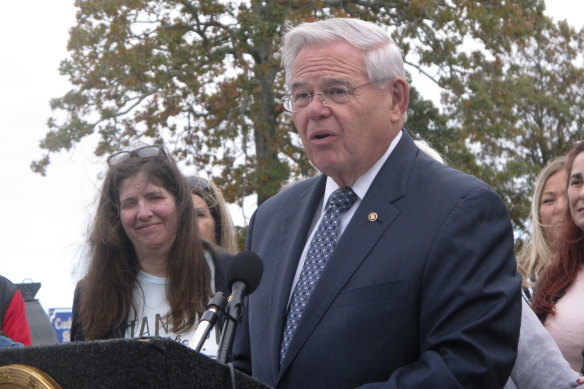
column 557, row 276
column 113, row 265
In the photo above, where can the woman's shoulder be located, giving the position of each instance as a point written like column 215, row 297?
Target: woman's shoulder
column 218, row 253
column 221, row 260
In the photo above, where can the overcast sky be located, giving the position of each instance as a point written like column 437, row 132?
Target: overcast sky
column 45, row 218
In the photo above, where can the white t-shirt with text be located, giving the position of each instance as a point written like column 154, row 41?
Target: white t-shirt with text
column 153, row 308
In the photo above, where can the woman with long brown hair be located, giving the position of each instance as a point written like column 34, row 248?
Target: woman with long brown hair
column 148, row 274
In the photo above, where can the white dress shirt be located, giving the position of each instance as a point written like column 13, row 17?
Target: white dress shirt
column 360, row 187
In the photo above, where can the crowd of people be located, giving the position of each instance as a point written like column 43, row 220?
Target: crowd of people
column 389, row 269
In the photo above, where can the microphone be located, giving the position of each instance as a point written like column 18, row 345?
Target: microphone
column 243, row 277
column 208, row 320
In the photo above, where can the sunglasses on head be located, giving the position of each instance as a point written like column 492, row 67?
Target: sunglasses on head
column 198, row 182
column 141, row 152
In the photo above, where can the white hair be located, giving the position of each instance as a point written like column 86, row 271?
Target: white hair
column 382, row 57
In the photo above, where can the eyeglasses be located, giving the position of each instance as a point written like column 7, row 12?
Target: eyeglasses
column 142, row 152
column 337, row 94
column 198, row 182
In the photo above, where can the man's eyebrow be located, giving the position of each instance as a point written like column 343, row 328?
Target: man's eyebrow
column 325, row 82
column 336, row 81
column 576, row 175
column 298, row 85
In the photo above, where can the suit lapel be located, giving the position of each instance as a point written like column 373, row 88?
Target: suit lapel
column 286, row 252
column 372, row 218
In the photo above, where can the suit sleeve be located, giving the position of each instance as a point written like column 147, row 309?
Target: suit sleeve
column 15, row 324
column 470, row 308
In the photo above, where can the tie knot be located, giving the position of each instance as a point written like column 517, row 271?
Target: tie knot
column 341, row 200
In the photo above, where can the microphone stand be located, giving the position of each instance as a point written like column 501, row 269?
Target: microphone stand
column 233, row 315
column 208, row 320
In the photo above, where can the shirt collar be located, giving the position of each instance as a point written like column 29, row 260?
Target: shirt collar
column 361, row 186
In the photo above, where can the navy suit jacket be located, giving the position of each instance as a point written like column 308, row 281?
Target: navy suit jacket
column 425, row 296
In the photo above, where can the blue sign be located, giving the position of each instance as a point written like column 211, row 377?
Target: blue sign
column 61, row 319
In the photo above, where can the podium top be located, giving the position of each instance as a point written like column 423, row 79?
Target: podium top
column 155, row 363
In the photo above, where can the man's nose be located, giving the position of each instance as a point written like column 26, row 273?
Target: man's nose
column 318, row 106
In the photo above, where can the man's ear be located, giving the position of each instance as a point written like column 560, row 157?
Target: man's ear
column 400, row 97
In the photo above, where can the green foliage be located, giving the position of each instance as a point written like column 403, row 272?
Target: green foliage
column 523, row 108
column 204, row 77
column 240, row 235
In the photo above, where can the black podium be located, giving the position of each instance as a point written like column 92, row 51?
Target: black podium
column 128, row 363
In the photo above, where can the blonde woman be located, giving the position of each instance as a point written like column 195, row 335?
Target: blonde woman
column 548, row 211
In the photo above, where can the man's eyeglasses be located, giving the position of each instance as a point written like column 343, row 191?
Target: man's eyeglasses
column 337, row 94
column 142, row 152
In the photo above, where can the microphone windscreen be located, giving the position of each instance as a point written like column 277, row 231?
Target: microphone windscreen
column 246, row 267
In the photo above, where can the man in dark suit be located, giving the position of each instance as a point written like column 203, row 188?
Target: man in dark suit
column 419, row 290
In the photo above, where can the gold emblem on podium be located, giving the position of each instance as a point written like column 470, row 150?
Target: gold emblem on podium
column 25, row 377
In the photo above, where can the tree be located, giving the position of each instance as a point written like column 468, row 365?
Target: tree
column 204, row 78
column 522, row 109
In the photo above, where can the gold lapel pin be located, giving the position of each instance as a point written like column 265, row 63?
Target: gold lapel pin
column 372, row 216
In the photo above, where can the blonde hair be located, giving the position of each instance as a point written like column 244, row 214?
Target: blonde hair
column 426, row 148
column 536, row 254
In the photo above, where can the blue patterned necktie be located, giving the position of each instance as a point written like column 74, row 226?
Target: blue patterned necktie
column 321, row 246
